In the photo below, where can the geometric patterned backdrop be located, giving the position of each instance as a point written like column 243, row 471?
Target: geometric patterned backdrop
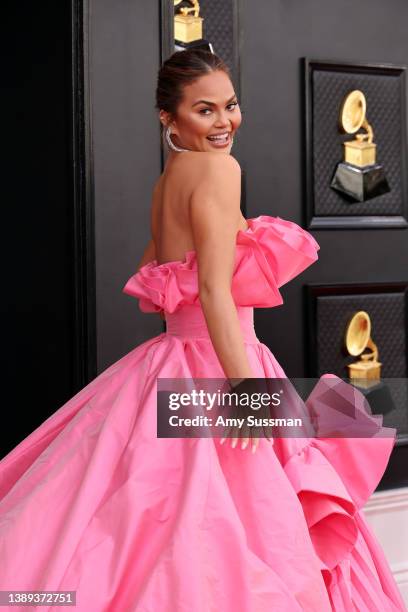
column 220, row 27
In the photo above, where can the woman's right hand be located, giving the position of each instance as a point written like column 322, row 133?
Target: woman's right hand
column 249, row 435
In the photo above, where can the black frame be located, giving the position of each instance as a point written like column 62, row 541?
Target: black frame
column 314, row 290
column 83, row 223
column 396, row 474
column 349, row 222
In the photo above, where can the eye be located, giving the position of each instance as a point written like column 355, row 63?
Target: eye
column 233, row 104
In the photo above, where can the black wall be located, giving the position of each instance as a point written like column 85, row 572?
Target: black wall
column 276, row 35
column 36, row 220
column 124, row 59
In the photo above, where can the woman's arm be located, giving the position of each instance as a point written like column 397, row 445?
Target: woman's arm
column 215, row 216
column 148, row 255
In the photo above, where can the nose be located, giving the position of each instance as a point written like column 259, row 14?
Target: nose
column 222, row 119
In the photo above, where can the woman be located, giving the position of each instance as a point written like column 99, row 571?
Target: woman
column 93, row 501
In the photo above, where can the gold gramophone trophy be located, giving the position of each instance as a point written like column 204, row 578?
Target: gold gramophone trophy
column 357, row 340
column 188, row 26
column 365, row 373
column 358, row 177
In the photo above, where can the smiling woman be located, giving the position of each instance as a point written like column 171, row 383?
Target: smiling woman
column 207, row 114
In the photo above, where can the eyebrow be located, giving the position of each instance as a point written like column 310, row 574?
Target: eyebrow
column 212, row 103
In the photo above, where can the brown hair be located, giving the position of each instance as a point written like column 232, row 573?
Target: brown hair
column 183, row 68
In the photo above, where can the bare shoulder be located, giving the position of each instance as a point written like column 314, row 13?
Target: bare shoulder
column 217, row 158
column 215, row 162
column 208, row 162
column 212, row 169
column 217, row 183
column 215, row 217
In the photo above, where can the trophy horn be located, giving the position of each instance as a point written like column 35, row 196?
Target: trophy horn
column 357, row 339
column 358, row 333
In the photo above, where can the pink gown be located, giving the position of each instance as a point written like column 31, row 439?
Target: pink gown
column 93, row 502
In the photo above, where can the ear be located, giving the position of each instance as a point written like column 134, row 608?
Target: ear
column 164, row 118
column 168, row 121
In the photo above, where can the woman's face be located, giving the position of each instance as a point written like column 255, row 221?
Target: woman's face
column 209, row 108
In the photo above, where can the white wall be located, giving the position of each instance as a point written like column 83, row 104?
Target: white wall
column 387, row 514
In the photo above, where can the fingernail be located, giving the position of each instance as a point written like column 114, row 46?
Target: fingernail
column 244, row 444
column 234, row 443
column 222, row 440
column 253, row 448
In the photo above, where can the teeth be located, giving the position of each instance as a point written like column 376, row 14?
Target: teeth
column 219, row 137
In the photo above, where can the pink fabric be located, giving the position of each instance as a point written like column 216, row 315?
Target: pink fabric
column 189, row 322
column 268, row 254
column 93, row 501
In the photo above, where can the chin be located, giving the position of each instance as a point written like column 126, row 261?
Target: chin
column 225, row 151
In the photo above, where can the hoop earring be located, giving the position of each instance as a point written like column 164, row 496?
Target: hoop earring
column 171, row 143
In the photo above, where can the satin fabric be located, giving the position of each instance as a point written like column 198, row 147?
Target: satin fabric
column 93, row 501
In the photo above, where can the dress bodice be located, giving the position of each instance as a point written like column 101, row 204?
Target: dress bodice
column 268, row 254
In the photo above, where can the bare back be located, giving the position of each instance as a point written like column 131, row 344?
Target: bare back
column 170, row 222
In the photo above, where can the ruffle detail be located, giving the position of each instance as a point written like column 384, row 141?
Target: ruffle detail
column 288, row 248
column 334, row 477
column 270, row 253
column 165, row 287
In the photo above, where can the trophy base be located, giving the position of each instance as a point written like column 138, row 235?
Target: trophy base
column 378, row 396
column 179, row 45
column 360, row 184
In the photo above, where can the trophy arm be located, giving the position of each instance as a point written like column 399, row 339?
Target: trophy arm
column 370, row 132
column 195, row 8
column 370, row 344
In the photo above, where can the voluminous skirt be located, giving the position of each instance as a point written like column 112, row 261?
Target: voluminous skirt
column 92, row 501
